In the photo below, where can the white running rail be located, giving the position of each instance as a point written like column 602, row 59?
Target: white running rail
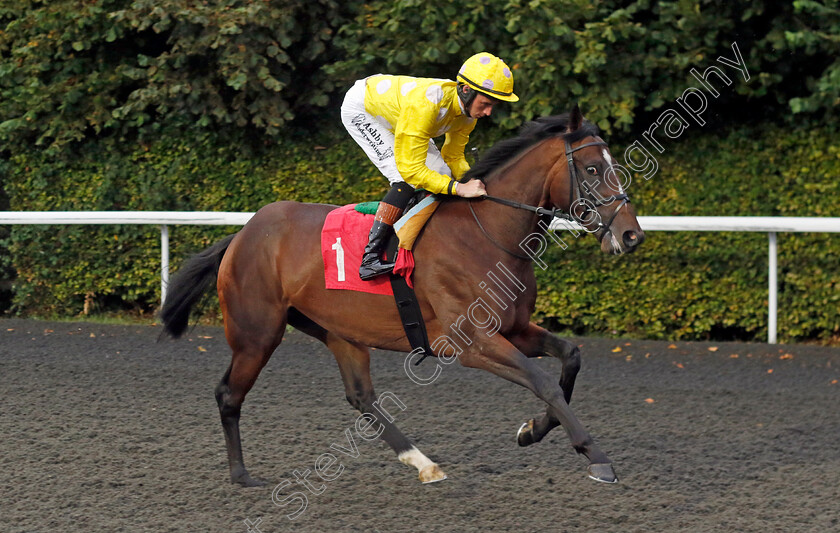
column 769, row 225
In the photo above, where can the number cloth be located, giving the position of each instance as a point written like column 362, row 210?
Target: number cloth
column 343, row 240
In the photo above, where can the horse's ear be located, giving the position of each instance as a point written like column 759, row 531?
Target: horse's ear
column 575, row 119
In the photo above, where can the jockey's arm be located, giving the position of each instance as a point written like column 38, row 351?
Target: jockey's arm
column 411, row 146
column 453, row 151
column 410, row 149
column 453, row 155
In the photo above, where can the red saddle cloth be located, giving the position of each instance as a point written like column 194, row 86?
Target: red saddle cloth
column 343, row 240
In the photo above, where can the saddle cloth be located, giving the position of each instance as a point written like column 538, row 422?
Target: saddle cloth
column 343, row 240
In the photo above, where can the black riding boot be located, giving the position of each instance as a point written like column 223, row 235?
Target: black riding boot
column 372, row 264
column 389, row 210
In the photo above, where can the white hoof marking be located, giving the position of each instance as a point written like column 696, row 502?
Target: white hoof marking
column 428, row 470
column 415, row 458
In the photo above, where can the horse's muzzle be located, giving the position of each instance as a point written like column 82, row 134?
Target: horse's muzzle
column 629, row 241
column 632, row 239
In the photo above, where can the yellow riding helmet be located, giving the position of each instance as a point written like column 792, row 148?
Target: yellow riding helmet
column 489, row 75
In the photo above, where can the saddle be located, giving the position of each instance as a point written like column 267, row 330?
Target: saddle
column 343, row 239
column 420, row 208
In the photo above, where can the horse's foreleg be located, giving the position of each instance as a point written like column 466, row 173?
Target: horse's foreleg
column 536, row 342
column 354, row 364
column 500, row 357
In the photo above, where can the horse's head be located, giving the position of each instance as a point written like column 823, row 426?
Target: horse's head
column 588, row 185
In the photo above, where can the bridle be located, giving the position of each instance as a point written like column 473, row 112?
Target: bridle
column 576, row 193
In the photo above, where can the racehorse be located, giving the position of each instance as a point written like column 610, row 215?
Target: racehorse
column 271, row 274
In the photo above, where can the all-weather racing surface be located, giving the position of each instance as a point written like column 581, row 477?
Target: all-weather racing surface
column 106, row 429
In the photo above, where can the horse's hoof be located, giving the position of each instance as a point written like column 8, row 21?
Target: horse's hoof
column 431, row 474
column 602, row 472
column 525, row 435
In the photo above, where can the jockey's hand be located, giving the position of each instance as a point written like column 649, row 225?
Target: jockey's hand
column 471, row 189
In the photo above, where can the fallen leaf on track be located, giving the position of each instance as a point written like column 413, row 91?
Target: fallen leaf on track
column 616, row 349
column 713, row 348
column 649, row 400
column 672, row 346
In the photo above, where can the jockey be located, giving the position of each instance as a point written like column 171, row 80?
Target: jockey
column 395, row 118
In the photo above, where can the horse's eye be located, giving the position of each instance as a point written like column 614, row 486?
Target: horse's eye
column 592, row 170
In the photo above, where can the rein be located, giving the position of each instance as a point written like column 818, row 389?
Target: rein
column 575, row 194
column 490, row 237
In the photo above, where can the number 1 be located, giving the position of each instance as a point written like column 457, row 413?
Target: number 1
column 339, row 258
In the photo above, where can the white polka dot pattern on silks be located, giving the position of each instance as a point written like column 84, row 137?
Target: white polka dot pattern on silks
column 407, row 87
column 383, row 86
column 434, row 94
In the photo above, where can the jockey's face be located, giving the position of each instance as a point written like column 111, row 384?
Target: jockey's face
column 482, row 106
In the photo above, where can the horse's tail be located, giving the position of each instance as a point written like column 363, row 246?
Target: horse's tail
column 189, row 284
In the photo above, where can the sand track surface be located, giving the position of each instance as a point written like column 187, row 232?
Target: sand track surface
column 106, row 429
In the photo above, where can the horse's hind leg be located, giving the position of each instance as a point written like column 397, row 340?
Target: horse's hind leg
column 536, row 342
column 354, row 364
column 251, row 350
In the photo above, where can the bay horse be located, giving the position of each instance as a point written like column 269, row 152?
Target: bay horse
column 271, row 274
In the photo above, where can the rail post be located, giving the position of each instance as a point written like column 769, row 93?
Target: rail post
column 772, row 300
column 164, row 262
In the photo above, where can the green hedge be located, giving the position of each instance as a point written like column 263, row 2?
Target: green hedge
column 683, row 285
column 71, row 70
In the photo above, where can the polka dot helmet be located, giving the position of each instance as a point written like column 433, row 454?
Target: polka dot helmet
column 489, row 75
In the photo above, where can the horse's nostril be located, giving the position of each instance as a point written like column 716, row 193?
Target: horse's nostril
column 631, row 239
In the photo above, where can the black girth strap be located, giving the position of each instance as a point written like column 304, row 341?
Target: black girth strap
column 410, row 315
column 407, row 304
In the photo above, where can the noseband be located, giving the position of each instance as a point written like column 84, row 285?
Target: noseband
column 576, row 189
column 576, row 192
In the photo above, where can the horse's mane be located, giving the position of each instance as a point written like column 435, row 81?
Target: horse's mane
column 530, row 134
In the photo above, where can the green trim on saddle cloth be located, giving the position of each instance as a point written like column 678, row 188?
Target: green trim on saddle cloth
column 367, row 208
